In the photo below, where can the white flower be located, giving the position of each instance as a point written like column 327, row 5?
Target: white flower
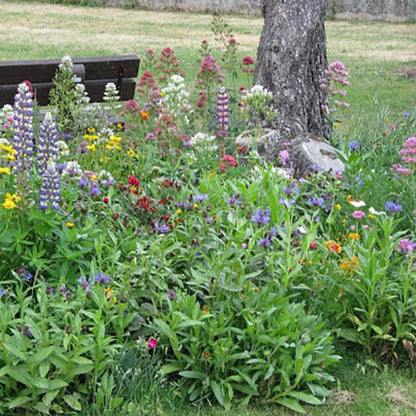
column 72, row 168
column 63, row 148
column 111, row 92
column 374, row 212
column 66, row 64
column 357, row 204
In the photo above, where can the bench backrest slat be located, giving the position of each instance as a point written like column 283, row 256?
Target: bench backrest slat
column 122, row 70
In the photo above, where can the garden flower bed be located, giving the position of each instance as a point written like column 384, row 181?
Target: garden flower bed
column 170, row 245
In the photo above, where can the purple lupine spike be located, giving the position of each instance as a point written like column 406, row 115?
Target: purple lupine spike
column 47, row 143
column 50, row 190
column 223, row 112
column 23, row 137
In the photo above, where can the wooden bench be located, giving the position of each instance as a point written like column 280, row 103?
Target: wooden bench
column 94, row 73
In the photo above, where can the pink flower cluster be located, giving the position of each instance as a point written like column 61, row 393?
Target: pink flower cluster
column 333, row 83
column 406, row 246
column 209, row 71
column 408, row 152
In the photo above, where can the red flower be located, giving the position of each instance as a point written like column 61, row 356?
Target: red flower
column 133, row 181
column 105, row 200
column 313, row 245
column 248, row 60
column 229, row 161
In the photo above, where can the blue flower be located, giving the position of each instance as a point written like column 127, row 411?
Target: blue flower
column 393, row 207
column 353, row 145
column 164, row 229
column 260, row 216
column 101, row 278
column 200, row 198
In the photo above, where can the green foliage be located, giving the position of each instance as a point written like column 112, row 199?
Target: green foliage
column 253, row 345
column 56, row 345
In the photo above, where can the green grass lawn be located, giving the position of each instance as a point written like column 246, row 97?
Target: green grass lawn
column 381, row 57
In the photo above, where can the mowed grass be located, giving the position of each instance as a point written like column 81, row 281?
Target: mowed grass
column 381, row 57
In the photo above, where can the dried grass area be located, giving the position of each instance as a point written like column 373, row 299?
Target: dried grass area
column 126, row 31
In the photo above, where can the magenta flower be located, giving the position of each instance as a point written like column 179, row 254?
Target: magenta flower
column 357, row 214
column 152, row 344
column 284, row 157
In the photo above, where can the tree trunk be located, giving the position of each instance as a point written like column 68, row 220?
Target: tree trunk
column 291, row 59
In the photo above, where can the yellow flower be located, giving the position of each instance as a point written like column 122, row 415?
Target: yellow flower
column 338, row 207
column 16, row 198
column 347, row 264
column 104, row 159
column 132, row 153
column 70, row 224
column 5, row 170
column 90, row 129
column 91, row 137
column 9, row 204
column 92, row 147
column 354, row 236
column 179, row 211
column 336, row 125
column 196, row 206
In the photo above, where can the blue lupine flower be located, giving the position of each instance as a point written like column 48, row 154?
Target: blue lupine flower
column 23, row 137
column 47, row 145
column 50, row 190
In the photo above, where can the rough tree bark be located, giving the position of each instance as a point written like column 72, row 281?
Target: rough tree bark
column 290, row 61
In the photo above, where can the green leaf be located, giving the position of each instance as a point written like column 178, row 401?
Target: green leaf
column 305, row 397
column 291, row 404
column 18, row 402
column 72, row 402
column 219, row 395
column 192, row 374
column 42, row 355
column 169, row 368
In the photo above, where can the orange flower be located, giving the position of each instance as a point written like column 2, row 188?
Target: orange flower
column 144, row 115
column 332, row 245
column 354, row 236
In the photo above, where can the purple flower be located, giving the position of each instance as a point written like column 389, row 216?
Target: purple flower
column 353, row 145
column 47, row 144
column 223, row 112
column 101, row 278
column 405, row 246
column 83, row 182
column 23, row 137
column 406, row 114
column 95, row 189
column 260, row 216
column 2, row 292
column 50, row 190
column 200, row 198
column 316, row 202
column 24, row 273
column 26, row 332
column 65, row 292
column 284, row 157
column 392, row 207
column 265, row 242
column 86, row 283
column 164, row 229
column 172, row 295
column 234, row 201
